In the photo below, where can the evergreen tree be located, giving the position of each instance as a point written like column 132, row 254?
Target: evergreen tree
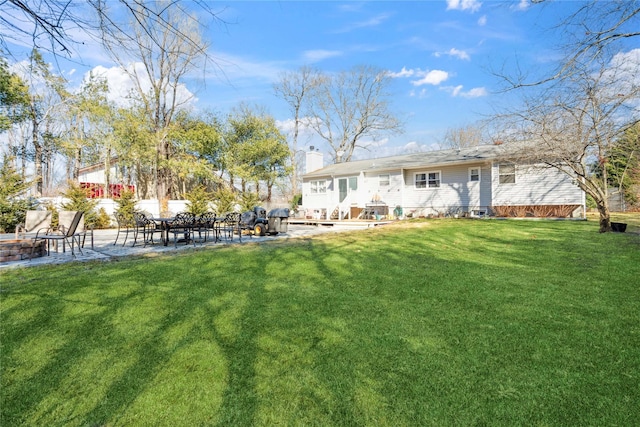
column 13, row 203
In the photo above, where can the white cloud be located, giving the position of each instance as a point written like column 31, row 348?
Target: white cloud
column 433, row 77
column 476, row 92
column 416, row 147
column 472, row 5
column 460, row 54
column 523, row 5
column 304, row 129
column 373, row 22
column 420, row 94
column 622, row 78
column 121, row 86
column 456, row 90
column 320, row 54
column 402, row 73
column 482, row 21
column 627, row 62
column 232, row 68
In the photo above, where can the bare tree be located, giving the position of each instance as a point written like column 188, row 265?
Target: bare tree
column 57, row 26
column 294, row 88
column 571, row 118
column 168, row 44
column 470, row 135
column 574, row 126
column 591, row 32
column 45, row 103
column 351, row 106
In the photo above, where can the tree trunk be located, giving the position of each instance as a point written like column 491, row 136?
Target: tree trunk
column 75, row 173
column 107, row 175
column 605, row 217
column 164, row 185
column 37, row 155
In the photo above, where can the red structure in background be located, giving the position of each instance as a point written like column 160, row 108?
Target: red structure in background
column 96, row 191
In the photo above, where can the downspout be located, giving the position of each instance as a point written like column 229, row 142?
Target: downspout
column 329, row 197
column 584, row 201
column 403, row 185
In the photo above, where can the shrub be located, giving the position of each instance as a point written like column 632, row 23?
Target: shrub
column 296, row 202
column 103, row 219
column 13, row 204
column 78, row 201
column 225, row 200
column 248, row 200
column 198, row 200
column 126, row 205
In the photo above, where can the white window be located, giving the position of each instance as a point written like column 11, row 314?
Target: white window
column 474, row 174
column 433, row 179
column 428, row 180
column 318, row 187
column 383, row 180
column 353, row 183
column 507, row 173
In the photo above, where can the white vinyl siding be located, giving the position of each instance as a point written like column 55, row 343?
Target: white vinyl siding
column 373, row 186
column 536, row 185
column 455, row 191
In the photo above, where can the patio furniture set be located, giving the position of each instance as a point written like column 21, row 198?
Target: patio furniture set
column 37, row 235
column 183, row 227
column 38, row 230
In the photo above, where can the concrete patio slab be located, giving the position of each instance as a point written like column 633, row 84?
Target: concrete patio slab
column 105, row 250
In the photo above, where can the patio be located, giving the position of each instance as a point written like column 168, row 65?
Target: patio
column 104, row 249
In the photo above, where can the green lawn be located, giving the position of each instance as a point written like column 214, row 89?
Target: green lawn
column 443, row 323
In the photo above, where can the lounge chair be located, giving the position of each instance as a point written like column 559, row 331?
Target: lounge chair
column 34, row 221
column 66, row 232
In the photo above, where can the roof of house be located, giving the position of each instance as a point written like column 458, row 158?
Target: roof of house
column 481, row 153
column 98, row 166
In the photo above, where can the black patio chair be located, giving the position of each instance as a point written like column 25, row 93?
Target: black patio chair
column 125, row 224
column 145, row 225
column 181, row 227
column 230, row 225
column 206, row 223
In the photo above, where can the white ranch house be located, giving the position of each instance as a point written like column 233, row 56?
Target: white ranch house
column 467, row 182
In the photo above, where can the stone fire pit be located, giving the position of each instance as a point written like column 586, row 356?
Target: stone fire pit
column 19, row 249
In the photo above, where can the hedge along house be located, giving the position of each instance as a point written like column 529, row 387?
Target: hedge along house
column 467, row 182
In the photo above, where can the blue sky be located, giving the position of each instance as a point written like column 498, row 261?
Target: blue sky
column 440, row 53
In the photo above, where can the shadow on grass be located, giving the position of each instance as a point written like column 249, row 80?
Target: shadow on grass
column 431, row 326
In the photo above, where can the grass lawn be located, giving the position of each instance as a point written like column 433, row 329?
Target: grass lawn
column 443, row 322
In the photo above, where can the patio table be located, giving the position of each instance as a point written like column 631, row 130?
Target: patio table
column 220, row 221
column 164, row 226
